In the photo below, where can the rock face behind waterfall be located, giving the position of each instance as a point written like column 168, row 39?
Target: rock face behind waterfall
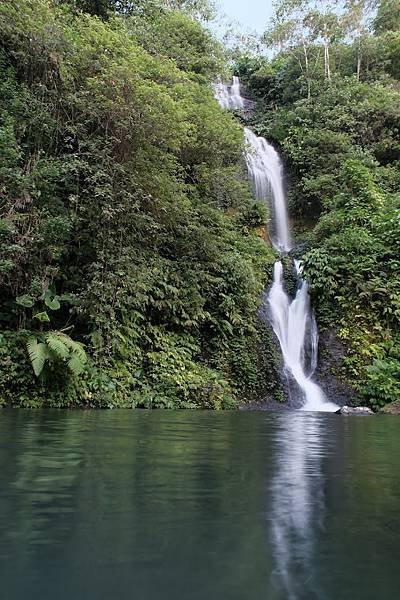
column 330, row 365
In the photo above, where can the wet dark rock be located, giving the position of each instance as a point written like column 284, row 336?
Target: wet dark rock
column 330, row 366
column 268, row 393
column 249, row 108
column 246, row 113
column 362, row 411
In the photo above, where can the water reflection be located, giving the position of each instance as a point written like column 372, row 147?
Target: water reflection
column 41, row 470
column 173, row 505
column 297, row 504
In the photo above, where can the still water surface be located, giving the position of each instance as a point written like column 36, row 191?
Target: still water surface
column 198, row 506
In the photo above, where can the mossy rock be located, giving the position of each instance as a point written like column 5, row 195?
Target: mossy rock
column 391, row 409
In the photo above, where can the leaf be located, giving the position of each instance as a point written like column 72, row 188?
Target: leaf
column 69, row 298
column 52, row 301
column 75, row 365
column 42, row 316
column 73, row 351
column 57, row 345
column 75, row 347
column 53, row 304
column 25, row 300
column 38, row 354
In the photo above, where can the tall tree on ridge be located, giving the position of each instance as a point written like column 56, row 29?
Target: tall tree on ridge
column 290, row 31
column 356, row 20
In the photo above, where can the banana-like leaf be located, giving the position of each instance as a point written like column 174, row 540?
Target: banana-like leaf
column 38, row 353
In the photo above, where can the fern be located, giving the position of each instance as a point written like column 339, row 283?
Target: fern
column 56, row 347
column 75, row 347
column 75, row 365
column 77, row 354
column 38, row 353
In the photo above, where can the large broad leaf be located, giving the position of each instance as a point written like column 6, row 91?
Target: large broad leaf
column 25, row 300
column 52, row 302
column 42, row 316
column 38, row 353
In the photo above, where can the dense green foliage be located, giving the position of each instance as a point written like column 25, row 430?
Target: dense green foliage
column 332, row 104
column 130, row 266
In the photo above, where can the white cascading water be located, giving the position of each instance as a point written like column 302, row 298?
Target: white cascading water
column 293, row 321
column 229, row 96
column 266, row 174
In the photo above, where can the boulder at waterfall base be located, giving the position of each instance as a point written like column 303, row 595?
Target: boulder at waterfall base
column 355, row 410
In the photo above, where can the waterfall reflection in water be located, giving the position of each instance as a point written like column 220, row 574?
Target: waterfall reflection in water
column 297, row 505
column 198, row 506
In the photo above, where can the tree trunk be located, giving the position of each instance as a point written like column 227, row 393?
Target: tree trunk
column 327, row 61
column 307, row 67
column 359, row 56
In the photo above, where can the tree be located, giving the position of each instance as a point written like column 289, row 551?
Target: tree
column 125, row 213
column 238, row 43
column 357, row 17
column 199, row 9
column 299, row 27
column 387, row 17
column 325, row 26
column 290, row 32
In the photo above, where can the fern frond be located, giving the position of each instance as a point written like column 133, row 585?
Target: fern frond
column 57, row 345
column 75, row 365
column 38, row 354
column 75, row 347
column 78, row 350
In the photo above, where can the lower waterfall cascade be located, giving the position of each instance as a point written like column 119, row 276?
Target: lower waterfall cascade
column 292, row 320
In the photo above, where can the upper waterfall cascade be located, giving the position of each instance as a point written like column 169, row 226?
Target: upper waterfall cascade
column 229, row 96
column 266, row 174
column 292, row 320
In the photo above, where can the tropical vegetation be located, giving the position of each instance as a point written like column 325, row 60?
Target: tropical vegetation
column 330, row 100
column 132, row 258
column 131, row 265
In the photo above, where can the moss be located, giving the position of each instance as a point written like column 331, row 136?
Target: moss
column 391, row 409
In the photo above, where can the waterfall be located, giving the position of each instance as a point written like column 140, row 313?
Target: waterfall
column 266, row 174
column 236, row 99
column 229, row 96
column 292, row 320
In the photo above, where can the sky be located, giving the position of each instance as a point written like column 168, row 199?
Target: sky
column 253, row 14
